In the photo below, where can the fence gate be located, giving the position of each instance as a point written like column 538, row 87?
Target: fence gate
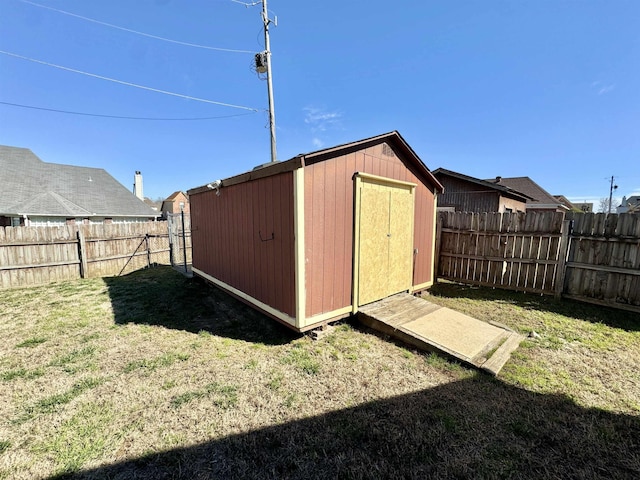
column 179, row 226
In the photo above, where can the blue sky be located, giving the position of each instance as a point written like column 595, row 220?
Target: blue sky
column 548, row 89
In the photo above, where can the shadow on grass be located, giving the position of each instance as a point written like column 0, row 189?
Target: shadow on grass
column 161, row 296
column 473, row 428
column 622, row 319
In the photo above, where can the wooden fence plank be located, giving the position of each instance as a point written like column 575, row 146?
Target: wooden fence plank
column 37, row 255
column 536, row 252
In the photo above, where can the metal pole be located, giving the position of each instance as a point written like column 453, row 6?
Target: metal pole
column 611, row 189
column 272, row 114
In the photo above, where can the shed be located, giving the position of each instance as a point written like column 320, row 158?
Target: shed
column 310, row 239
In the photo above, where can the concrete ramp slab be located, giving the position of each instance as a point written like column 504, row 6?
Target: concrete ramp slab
column 434, row 328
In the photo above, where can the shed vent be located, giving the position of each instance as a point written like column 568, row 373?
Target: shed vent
column 387, row 151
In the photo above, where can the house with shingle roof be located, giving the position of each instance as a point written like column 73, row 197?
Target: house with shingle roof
column 36, row 193
column 539, row 199
column 629, row 205
column 463, row 193
column 175, row 203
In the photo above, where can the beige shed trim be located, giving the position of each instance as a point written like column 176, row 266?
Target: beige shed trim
column 422, row 286
column 253, row 301
column 383, row 180
column 316, row 320
column 298, row 226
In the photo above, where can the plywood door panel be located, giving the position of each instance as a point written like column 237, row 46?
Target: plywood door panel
column 385, row 240
column 401, row 241
column 374, row 244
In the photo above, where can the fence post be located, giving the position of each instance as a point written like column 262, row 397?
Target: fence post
column 184, row 243
column 82, row 253
column 563, row 252
column 436, row 259
column 146, row 237
column 170, row 233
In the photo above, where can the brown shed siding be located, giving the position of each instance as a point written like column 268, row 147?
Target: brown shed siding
column 232, row 238
column 424, row 235
column 329, row 207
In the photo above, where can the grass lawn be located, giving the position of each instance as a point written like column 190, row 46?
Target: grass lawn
column 156, row 376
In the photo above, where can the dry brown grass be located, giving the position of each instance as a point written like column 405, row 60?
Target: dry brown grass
column 155, row 376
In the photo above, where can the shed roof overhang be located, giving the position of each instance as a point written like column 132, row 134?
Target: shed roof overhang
column 394, row 138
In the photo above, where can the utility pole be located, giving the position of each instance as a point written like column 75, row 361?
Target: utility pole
column 611, row 189
column 272, row 114
column 263, row 65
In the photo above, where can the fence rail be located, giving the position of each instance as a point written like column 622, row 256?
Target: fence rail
column 590, row 257
column 39, row 255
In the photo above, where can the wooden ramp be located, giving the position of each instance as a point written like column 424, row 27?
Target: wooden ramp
column 434, row 328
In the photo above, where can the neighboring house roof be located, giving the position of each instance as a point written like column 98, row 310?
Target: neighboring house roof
column 168, row 203
column 565, row 201
column 504, row 190
column 631, row 204
column 393, row 139
column 541, row 198
column 32, row 187
column 174, row 195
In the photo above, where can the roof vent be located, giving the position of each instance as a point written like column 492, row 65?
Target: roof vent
column 498, row 179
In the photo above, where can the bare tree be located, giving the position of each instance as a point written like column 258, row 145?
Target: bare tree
column 603, row 205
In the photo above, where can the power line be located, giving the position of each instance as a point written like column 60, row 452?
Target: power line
column 246, row 4
column 156, row 37
column 120, row 116
column 129, row 84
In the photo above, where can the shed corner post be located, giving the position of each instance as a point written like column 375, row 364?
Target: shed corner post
column 299, row 255
column 355, row 291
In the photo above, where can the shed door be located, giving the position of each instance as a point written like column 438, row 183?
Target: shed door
column 383, row 263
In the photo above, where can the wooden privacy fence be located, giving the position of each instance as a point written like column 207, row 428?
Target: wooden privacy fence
column 39, row 255
column 589, row 257
column 603, row 263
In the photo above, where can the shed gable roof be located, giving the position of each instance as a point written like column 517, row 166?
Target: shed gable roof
column 393, row 138
column 33, row 187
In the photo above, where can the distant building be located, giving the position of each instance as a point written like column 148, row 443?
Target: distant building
column 36, row 193
column 463, row 193
column 175, row 203
column 584, row 207
column 540, row 200
column 629, row 205
column 565, row 201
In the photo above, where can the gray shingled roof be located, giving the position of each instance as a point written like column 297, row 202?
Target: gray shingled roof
column 32, row 187
column 529, row 188
column 505, row 190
